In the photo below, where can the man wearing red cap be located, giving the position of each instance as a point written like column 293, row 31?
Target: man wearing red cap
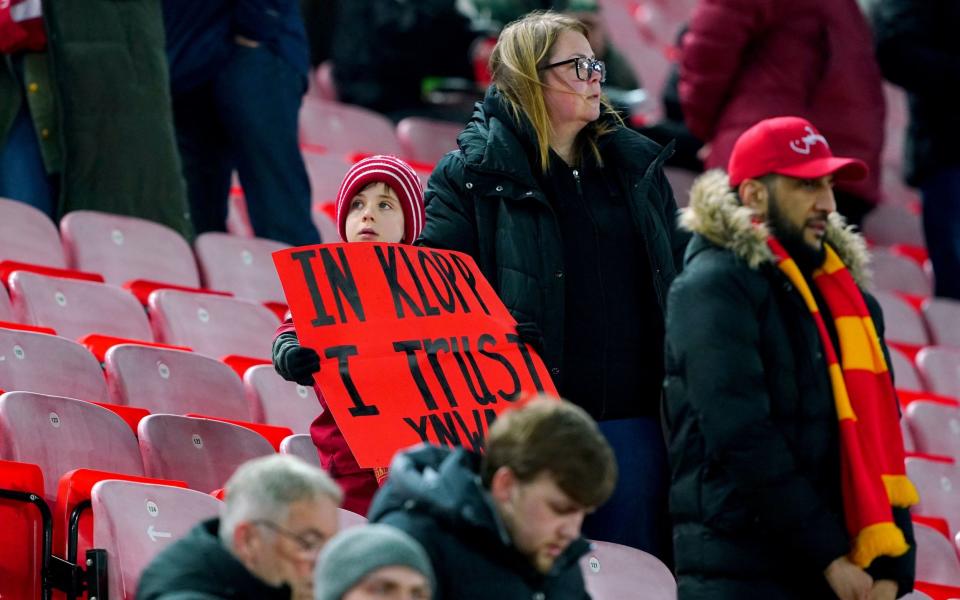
column 787, row 462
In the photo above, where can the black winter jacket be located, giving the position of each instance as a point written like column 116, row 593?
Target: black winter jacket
column 487, row 200
column 919, row 50
column 753, row 432
column 199, row 567
column 435, row 495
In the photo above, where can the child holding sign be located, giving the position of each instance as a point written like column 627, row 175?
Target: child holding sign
column 380, row 200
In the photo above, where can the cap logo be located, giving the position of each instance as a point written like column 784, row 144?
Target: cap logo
column 805, row 144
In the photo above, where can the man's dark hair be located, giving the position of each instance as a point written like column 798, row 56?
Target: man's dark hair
column 555, row 437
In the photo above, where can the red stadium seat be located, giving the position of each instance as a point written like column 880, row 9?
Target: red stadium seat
column 77, row 308
column 211, row 324
column 49, row 364
column 24, row 540
column 891, row 223
column 279, row 402
column 326, row 87
column 613, row 572
column 938, row 482
column 301, row 446
column 895, row 273
column 326, row 171
column 943, row 318
column 6, row 310
column 173, row 381
column 27, row 235
column 125, row 248
column 202, row 452
column 935, row 428
column 242, row 266
column 681, row 180
column 904, row 372
column 134, row 522
column 902, row 321
column 936, row 557
column 427, row 140
column 347, row 519
column 344, row 129
column 940, row 368
column 908, row 444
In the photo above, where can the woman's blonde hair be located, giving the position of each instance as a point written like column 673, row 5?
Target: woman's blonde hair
column 522, row 49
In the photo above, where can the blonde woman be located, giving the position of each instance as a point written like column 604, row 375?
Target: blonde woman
column 570, row 217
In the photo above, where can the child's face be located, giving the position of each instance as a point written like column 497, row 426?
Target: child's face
column 375, row 215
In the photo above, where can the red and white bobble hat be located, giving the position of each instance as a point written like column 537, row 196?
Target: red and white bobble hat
column 396, row 174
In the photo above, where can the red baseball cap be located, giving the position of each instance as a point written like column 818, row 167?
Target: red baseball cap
column 788, row 146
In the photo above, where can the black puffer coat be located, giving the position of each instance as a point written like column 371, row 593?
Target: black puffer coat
column 753, row 432
column 435, row 495
column 487, row 200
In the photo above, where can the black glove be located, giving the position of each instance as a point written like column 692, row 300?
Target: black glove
column 530, row 335
column 294, row 362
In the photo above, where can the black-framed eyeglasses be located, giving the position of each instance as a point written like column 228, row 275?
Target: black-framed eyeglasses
column 585, row 67
column 310, row 543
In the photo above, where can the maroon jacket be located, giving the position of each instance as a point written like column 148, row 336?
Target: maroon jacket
column 747, row 60
column 359, row 485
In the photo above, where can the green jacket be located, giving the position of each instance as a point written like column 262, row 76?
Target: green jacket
column 103, row 97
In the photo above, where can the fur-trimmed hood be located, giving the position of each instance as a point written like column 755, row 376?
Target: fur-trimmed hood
column 716, row 214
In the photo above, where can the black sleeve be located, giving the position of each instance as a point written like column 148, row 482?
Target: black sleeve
column 713, row 337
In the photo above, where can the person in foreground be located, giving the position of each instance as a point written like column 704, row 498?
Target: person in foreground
column 277, row 515
column 787, row 459
column 373, row 562
column 507, row 524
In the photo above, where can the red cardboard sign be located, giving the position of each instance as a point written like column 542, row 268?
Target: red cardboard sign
column 414, row 344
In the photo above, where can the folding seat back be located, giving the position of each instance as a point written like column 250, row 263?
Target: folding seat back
column 276, row 401
column 895, row 273
column 345, row 129
column 201, row 452
column 891, row 223
column 613, row 572
column 173, row 381
column 940, row 368
column 908, row 444
column 6, row 310
column 326, row 171
column 76, row 308
column 243, row 266
column 213, row 325
column 938, row 482
column 901, row 321
column 935, row 428
column 123, row 248
column 348, row 519
column 943, row 318
column 61, row 434
column 49, row 364
column 27, row 235
column 904, row 373
column 936, row 557
column 134, row 522
column 301, row 446
column 916, row 596
column 681, row 180
column 427, row 140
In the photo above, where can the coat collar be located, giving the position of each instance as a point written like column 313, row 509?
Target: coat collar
column 716, row 214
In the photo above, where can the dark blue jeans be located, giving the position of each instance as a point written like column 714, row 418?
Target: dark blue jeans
column 246, row 118
column 22, row 174
column 941, row 227
column 636, row 515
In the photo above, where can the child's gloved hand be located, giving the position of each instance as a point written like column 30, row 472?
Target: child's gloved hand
column 295, row 362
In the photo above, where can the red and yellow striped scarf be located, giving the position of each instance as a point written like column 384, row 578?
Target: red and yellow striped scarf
column 871, row 446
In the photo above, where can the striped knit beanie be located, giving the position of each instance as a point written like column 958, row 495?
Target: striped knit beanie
column 396, row 174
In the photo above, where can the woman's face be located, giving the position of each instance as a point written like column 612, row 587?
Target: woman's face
column 571, row 103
